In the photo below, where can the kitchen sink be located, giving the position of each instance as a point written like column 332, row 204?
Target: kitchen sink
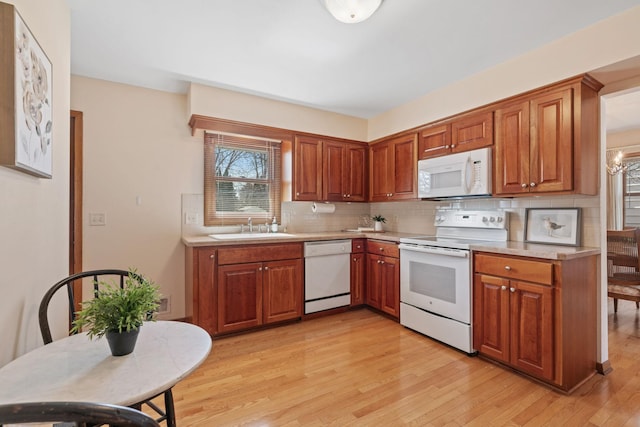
column 244, row 236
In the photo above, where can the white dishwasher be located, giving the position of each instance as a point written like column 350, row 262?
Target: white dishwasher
column 327, row 275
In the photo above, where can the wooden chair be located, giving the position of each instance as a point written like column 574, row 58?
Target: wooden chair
column 168, row 414
column 81, row 414
column 623, row 266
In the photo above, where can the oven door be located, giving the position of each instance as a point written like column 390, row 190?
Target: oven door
column 437, row 280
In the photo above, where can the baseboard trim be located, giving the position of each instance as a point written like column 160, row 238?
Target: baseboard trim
column 604, row 368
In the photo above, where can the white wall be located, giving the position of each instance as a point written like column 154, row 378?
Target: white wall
column 34, row 212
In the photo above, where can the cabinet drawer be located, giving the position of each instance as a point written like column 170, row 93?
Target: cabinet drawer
column 514, row 268
column 259, row 253
column 383, row 248
column 357, row 246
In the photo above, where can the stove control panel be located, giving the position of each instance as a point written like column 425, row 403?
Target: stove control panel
column 471, row 219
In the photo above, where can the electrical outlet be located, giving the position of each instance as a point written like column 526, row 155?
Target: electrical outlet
column 165, row 305
column 97, row 218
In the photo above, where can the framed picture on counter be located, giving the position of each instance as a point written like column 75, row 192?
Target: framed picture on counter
column 553, row 226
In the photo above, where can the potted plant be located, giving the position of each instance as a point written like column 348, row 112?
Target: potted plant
column 118, row 312
column 377, row 222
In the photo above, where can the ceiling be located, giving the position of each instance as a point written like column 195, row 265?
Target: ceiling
column 295, row 51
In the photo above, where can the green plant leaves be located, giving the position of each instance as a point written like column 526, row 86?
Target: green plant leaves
column 118, row 309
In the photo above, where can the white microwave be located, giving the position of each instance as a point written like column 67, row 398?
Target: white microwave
column 456, row 175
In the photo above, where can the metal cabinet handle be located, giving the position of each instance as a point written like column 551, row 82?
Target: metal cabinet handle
column 381, row 262
column 266, row 268
column 503, row 287
column 259, row 268
column 533, row 184
column 524, row 185
column 355, row 260
column 212, row 256
column 506, row 267
column 381, row 249
column 512, row 289
column 453, row 145
column 446, row 146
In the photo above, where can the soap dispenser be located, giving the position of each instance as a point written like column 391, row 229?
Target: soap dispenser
column 274, row 225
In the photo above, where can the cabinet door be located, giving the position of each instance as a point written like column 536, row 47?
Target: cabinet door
column 374, row 280
column 404, row 166
column 390, row 286
column 491, row 316
column 334, row 171
column 239, row 296
column 470, row 133
column 307, row 168
column 282, row 290
column 205, row 304
column 380, row 173
column 356, row 173
column 551, row 162
column 434, row 141
column 532, row 328
column 358, row 269
column 512, row 149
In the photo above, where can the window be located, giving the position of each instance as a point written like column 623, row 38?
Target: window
column 632, row 192
column 241, row 179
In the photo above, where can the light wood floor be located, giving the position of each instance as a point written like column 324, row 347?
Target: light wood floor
column 359, row 368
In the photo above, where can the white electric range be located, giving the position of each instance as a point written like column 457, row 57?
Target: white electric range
column 435, row 274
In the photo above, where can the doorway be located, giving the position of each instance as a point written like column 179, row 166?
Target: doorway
column 75, row 203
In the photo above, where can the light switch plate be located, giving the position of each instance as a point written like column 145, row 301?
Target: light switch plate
column 190, row 218
column 97, row 218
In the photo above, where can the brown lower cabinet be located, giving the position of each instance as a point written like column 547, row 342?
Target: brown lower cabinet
column 243, row 287
column 537, row 316
column 358, row 271
column 383, row 277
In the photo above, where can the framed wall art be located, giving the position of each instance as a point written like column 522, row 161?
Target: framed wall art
column 556, row 226
column 26, row 113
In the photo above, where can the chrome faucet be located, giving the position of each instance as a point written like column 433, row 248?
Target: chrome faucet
column 250, row 224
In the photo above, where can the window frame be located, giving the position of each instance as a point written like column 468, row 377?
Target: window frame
column 199, row 123
column 635, row 159
column 212, row 216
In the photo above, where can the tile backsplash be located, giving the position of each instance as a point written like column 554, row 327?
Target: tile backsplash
column 408, row 217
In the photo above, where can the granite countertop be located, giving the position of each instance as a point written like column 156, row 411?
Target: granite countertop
column 533, row 250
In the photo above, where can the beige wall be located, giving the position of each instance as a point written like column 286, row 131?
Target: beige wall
column 609, row 41
column 139, row 157
column 34, row 212
column 625, row 139
column 225, row 104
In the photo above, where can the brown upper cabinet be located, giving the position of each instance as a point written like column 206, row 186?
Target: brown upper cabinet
column 344, row 172
column 328, row 169
column 463, row 134
column 547, row 141
column 392, row 169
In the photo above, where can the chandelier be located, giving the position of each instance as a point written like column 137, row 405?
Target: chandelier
column 616, row 166
column 351, row 11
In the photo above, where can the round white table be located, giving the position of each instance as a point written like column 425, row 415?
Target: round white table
column 76, row 368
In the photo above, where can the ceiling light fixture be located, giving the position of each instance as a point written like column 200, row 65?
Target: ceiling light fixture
column 616, row 166
column 351, row 11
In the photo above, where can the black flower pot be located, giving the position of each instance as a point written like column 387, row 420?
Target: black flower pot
column 122, row 343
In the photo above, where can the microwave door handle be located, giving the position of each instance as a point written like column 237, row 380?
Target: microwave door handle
column 467, row 175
